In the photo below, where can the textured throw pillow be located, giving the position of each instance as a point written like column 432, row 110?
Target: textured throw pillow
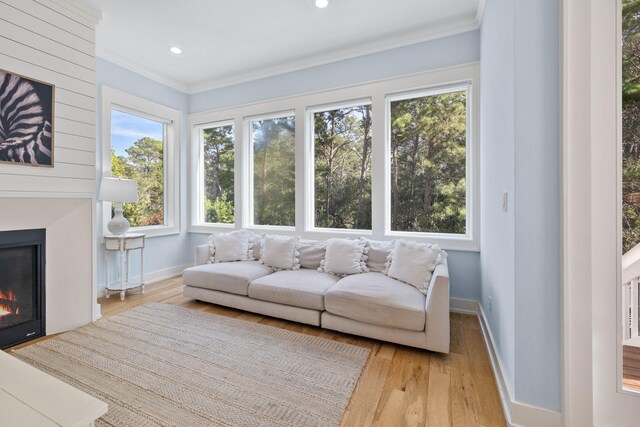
column 311, row 253
column 344, row 256
column 226, row 247
column 414, row 263
column 377, row 254
column 280, row 252
column 255, row 246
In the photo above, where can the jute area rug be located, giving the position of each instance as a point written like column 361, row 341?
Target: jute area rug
column 163, row 365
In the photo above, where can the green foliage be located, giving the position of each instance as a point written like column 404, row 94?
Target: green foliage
column 274, row 171
column 219, row 210
column 342, row 146
column 219, row 174
column 428, row 164
column 143, row 163
column 630, row 124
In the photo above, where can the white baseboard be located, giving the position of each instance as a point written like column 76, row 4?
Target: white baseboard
column 155, row 276
column 463, row 306
column 516, row 413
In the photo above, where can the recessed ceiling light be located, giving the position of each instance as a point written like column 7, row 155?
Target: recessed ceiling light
column 175, row 49
column 321, row 3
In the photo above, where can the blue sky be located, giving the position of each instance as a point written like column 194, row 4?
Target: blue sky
column 127, row 129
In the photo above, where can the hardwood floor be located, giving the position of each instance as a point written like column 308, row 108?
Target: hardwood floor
column 399, row 386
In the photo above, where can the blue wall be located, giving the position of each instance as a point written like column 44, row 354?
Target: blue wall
column 439, row 53
column 521, row 249
column 161, row 253
column 497, row 141
column 165, row 252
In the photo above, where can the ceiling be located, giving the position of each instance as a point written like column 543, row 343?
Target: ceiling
column 228, row 41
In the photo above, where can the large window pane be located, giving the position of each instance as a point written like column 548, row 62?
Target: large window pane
column 218, row 174
column 137, row 152
column 342, row 161
column 428, row 163
column 273, row 143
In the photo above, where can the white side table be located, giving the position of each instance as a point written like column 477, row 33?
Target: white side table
column 124, row 244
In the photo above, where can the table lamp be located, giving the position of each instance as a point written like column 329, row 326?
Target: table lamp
column 118, row 191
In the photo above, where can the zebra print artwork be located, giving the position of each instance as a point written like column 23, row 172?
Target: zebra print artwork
column 26, row 117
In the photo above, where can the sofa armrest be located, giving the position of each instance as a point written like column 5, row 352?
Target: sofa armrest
column 437, row 310
column 202, row 254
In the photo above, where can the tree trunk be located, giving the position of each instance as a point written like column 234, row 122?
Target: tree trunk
column 395, row 205
column 363, row 168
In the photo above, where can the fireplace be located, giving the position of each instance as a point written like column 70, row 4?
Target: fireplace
column 22, row 266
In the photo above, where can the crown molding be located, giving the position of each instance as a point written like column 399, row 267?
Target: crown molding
column 458, row 27
column 480, row 14
column 139, row 68
column 81, row 9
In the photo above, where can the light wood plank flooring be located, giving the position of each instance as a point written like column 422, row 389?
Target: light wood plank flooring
column 399, row 386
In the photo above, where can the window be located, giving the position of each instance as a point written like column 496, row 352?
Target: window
column 428, row 162
column 137, row 152
column 342, row 167
column 387, row 159
column 218, row 158
column 139, row 142
column 273, row 159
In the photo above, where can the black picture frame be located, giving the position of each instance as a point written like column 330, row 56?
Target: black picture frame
column 26, row 120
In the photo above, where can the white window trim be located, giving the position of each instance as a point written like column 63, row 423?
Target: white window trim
column 310, row 165
column 115, row 99
column 378, row 93
column 470, row 181
column 198, row 164
column 248, row 201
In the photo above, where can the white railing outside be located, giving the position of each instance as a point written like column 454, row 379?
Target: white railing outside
column 630, row 308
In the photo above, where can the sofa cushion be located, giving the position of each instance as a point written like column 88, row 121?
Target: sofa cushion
column 377, row 299
column 233, row 277
column 301, row 288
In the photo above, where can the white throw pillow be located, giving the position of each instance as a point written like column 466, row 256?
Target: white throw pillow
column 280, row 252
column 413, row 263
column 226, row 247
column 344, row 256
column 377, row 254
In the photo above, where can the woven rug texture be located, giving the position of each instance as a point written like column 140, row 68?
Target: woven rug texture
column 164, row 365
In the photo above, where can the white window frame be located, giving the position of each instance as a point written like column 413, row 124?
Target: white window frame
column 310, row 165
column 122, row 101
column 378, row 93
column 199, row 186
column 469, row 169
column 251, row 190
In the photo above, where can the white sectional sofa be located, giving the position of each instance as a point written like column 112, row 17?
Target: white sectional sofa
column 368, row 304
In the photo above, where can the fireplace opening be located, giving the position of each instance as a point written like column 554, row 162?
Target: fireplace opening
column 21, row 286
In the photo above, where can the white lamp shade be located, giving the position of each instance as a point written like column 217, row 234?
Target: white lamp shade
column 118, row 190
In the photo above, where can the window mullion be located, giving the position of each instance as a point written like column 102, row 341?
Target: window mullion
column 379, row 166
column 302, row 172
column 242, row 171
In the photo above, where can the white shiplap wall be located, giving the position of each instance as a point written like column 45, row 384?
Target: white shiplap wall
column 54, row 41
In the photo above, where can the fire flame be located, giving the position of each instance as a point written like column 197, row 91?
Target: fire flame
column 5, row 298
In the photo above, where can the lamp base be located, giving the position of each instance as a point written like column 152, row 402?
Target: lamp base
column 118, row 224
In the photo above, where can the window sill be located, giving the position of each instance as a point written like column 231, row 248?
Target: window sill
column 152, row 232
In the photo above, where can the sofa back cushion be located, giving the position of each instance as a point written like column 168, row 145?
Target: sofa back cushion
column 311, row 253
column 377, row 254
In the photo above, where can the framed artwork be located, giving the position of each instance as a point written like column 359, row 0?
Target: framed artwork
column 26, row 120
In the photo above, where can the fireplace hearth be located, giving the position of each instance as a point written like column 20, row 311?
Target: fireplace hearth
column 22, row 289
